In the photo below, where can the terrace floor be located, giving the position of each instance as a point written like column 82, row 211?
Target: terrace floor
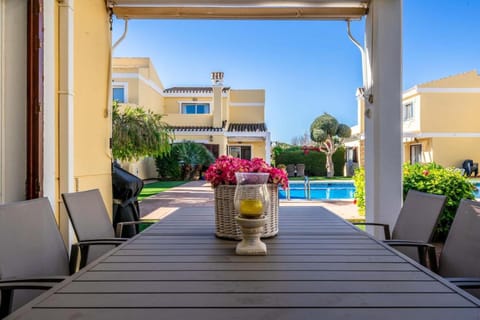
column 199, row 193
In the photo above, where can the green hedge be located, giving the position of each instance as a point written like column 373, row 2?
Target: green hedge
column 431, row 178
column 314, row 161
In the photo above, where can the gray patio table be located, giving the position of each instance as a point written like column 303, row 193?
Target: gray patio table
column 318, row 267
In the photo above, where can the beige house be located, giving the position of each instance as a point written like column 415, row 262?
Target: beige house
column 440, row 122
column 227, row 121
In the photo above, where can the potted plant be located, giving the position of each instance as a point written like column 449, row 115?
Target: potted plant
column 221, row 175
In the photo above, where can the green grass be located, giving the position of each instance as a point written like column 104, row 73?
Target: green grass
column 151, row 189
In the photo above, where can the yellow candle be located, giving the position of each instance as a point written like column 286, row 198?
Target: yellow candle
column 251, row 207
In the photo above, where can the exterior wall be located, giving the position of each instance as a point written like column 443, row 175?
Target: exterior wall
column 453, row 151
column 247, row 106
column 172, row 104
column 450, row 112
column 247, row 96
column 143, row 84
column 246, row 114
column 427, row 150
column 444, row 120
column 92, row 125
column 188, row 119
column 13, row 53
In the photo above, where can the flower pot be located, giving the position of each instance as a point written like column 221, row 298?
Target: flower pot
column 225, row 213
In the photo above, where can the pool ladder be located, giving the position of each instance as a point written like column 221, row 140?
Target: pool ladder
column 306, row 186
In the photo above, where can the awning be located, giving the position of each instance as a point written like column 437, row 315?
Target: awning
column 240, row 9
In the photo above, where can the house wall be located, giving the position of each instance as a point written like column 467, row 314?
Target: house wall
column 13, row 70
column 92, row 123
column 172, row 104
column 246, row 114
column 247, row 106
column 453, row 151
column 450, row 112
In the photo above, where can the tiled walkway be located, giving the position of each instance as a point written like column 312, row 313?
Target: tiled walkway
column 199, row 193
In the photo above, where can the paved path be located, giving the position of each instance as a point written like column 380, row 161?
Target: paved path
column 199, row 193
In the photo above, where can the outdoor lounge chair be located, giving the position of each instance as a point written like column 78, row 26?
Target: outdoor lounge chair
column 92, row 225
column 460, row 257
column 415, row 224
column 300, row 170
column 33, row 256
column 290, row 170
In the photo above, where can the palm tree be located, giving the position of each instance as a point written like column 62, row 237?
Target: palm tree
column 329, row 134
column 137, row 133
column 193, row 157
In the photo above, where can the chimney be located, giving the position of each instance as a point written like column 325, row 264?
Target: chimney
column 217, row 78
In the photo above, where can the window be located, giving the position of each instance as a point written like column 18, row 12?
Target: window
column 242, row 152
column 195, row 108
column 408, row 111
column 415, row 153
column 119, row 93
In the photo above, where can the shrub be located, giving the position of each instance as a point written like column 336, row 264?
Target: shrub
column 359, row 195
column 431, row 178
column 314, row 161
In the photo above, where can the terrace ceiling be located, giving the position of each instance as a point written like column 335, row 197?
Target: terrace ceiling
column 240, row 9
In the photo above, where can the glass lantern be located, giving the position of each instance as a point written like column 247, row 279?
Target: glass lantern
column 251, row 195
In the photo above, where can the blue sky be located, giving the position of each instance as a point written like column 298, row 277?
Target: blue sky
column 306, row 67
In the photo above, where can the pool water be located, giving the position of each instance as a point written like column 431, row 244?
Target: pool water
column 320, row 191
column 330, row 191
column 477, row 192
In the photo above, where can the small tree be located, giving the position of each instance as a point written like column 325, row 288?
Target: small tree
column 137, row 133
column 329, row 134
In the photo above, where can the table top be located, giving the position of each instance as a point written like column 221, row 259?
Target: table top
column 318, row 267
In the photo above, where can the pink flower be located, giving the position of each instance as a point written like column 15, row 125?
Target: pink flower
column 425, row 172
column 224, row 168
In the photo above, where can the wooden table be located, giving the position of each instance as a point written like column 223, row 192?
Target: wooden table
column 318, row 267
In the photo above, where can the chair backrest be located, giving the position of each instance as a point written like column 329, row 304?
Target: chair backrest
column 30, row 244
column 419, row 216
column 88, row 214
column 461, row 253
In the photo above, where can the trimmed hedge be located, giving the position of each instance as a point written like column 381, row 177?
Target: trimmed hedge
column 430, row 178
column 314, row 161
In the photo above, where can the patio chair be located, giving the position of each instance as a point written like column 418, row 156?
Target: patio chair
column 33, row 256
column 300, row 170
column 92, row 226
column 415, row 225
column 460, row 256
column 291, row 170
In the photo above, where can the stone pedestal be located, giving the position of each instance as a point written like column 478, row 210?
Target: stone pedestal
column 251, row 245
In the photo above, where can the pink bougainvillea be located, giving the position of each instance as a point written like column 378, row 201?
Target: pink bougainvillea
column 224, row 168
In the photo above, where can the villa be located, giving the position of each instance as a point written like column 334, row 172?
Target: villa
column 227, row 121
column 439, row 122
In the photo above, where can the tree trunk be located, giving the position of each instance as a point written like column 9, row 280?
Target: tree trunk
column 329, row 165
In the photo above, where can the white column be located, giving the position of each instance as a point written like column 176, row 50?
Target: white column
column 49, row 95
column 268, row 147
column 383, row 123
column 65, row 105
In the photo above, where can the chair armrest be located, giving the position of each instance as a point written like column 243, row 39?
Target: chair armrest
column 81, row 249
column 424, row 250
column 7, row 286
column 465, row 283
column 386, row 227
column 119, row 228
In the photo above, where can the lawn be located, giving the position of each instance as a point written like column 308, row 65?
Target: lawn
column 151, row 189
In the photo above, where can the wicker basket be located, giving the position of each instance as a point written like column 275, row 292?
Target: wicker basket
column 225, row 224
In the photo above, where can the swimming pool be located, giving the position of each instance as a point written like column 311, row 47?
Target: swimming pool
column 319, row 190
column 477, row 192
column 338, row 190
